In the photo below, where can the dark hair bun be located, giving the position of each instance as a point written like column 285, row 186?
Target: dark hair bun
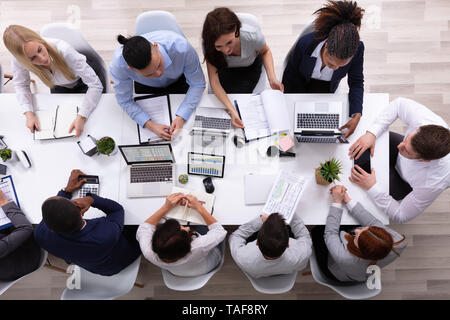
column 121, row 39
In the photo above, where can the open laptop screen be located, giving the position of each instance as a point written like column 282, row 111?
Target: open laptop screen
column 134, row 154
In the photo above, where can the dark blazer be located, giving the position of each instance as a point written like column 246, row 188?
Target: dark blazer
column 301, row 65
column 100, row 247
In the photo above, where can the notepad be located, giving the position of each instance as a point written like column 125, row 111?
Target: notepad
column 7, row 187
column 264, row 115
column 55, row 123
column 188, row 214
column 158, row 108
column 285, row 195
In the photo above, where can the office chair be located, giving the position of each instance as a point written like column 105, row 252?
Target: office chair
column 191, row 283
column 274, row 284
column 157, row 20
column 263, row 82
column 97, row 287
column 354, row 291
column 306, row 30
column 4, row 285
column 70, row 34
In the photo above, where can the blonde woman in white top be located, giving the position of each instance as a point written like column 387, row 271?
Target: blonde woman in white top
column 56, row 63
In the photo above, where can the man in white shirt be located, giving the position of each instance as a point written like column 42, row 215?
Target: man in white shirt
column 420, row 172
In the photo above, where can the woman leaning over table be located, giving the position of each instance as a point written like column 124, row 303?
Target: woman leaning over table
column 346, row 255
column 234, row 53
column 184, row 251
column 58, row 65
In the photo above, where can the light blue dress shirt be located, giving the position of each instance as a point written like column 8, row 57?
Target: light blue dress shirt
column 179, row 58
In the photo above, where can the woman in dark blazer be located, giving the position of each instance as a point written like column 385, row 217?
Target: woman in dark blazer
column 322, row 58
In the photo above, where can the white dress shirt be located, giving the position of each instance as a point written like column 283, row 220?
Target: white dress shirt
column 326, row 73
column 79, row 67
column 204, row 255
column 427, row 179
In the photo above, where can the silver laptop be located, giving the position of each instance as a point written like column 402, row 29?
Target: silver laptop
column 149, row 170
column 318, row 122
column 212, row 121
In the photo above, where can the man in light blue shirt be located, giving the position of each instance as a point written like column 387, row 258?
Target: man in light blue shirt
column 160, row 62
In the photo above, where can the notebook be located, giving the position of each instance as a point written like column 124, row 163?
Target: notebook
column 285, row 195
column 264, row 115
column 7, row 186
column 55, row 123
column 158, row 108
column 188, row 214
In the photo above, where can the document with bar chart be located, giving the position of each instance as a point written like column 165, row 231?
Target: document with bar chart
column 206, row 164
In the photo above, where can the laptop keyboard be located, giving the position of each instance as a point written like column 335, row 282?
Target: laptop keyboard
column 316, row 139
column 317, row 121
column 212, row 123
column 152, row 173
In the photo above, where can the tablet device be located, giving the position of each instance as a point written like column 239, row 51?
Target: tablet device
column 205, row 164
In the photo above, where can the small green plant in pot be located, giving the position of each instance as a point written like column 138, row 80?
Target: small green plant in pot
column 328, row 172
column 105, row 145
column 6, row 154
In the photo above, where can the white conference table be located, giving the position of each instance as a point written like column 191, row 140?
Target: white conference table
column 53, row 160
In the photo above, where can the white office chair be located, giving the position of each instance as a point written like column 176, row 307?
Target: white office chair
column 97, row 287
column 73, row 36
column 274, row 284
column 309, row 28
column 263, row 82
column 354, row 291
column 157, row 20
column 191, row 283
column 5, row 285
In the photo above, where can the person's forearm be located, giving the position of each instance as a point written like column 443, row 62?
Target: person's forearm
column 158, row 215
column 220, row 93
column 267, row 60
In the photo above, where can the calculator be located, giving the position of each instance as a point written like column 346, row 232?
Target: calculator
column 90, row 186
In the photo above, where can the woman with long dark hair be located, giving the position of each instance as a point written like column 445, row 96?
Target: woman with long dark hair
column 322, row 58
column 234, row 52
column 343, row 254
column 184, row 251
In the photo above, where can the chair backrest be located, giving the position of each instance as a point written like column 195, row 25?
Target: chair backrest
column 5, row 285
column 274, row 284
column 70, row 34
column 357, row 290
column 191, row 283
column 309, row 28
column 157, row 20
column 97, row 287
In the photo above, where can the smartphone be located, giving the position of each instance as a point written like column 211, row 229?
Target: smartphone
column 364, row 161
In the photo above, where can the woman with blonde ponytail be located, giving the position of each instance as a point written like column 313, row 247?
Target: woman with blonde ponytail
column 57, row 65
column 344, row 253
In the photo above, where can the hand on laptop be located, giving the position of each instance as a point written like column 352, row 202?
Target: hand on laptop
column 351, row 125
column 161, row 130
column 73, row 183
column 364, row 142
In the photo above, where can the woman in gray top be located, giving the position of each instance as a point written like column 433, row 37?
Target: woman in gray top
column 234, row 52
column 19, row 253
column 349, row 255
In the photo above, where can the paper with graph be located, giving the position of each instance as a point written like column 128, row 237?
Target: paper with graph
column 285, row 195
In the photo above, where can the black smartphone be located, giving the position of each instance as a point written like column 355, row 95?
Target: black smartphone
column 364, row 161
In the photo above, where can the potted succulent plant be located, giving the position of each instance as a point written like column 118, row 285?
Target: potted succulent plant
column 328, row 172
column 6, row 154
column 106, row 145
